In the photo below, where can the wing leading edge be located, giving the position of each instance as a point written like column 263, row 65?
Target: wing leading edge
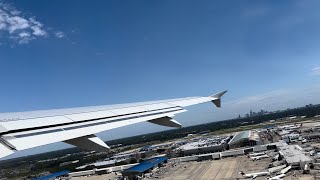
column 77, row 126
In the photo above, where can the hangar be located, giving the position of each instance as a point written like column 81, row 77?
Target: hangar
column 245, row 138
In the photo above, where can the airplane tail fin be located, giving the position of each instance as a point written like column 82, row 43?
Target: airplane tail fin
column 241, row 172
column 217, row 98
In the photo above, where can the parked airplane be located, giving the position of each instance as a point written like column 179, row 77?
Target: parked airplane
column 256, row 154
column 259, row 157
column 277, row 168
column 276, row 157
column 285, row 170
column 278, row 177
column 77, row 126
column 283, row 174
column 254, row 175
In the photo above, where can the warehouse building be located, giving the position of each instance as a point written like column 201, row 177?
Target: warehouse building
column 198, row 148
column 313, row 136
column 217, row 144
column 244, row 138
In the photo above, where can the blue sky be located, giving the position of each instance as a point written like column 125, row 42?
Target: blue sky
column 58, row 54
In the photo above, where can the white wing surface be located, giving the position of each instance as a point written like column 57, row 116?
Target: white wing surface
column 77, row 126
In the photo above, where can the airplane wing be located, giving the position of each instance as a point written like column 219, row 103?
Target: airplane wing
column 278, row 177
column 77, row 126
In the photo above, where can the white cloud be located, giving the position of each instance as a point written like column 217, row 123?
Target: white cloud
column 16, row 23
column 24, row 34
column 15, row 26
column 316, row 71
column 59, row 34
column 37, row 31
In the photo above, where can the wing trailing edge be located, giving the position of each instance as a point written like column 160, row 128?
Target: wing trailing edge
column 5, row 151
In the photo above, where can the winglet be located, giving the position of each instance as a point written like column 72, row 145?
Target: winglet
column 217, row 98
column 218, row 95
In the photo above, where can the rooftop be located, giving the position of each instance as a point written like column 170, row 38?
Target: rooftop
column 146, row 165
column 239, row 136
column 53, row 175
column 293, row 154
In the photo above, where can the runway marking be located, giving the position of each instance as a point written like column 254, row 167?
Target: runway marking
column 223, row 170
column 212, row 171
column 199, row 171
column 230, row 169
column 205, row 169
column 223, row 162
